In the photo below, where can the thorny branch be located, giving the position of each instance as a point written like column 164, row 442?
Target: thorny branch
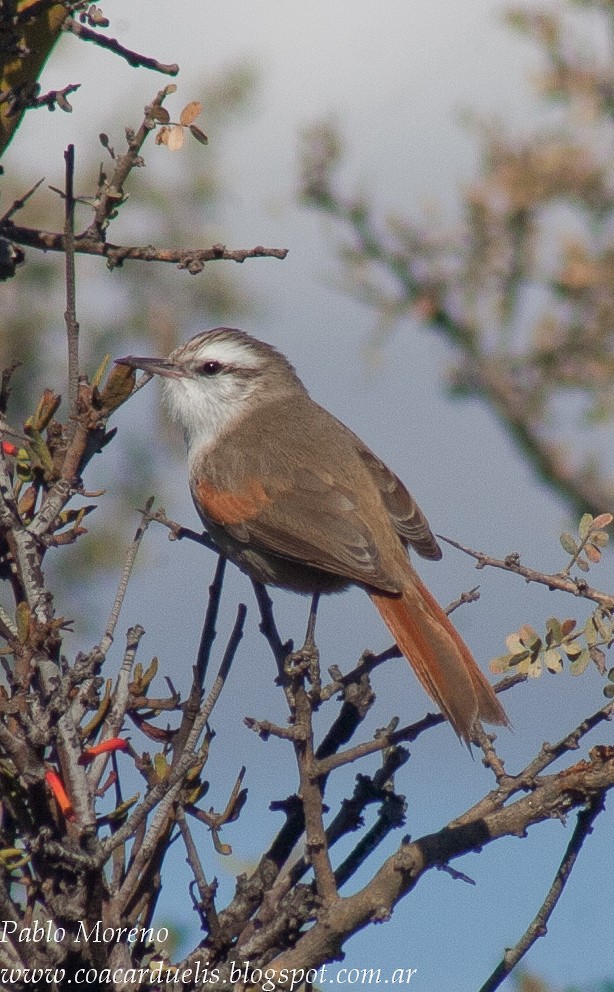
column 113, row 45
column 108, row 199
column 70, row 315
column 512, row 563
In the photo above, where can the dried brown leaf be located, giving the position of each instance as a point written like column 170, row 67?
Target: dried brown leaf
column 190, row 112
column 198, row 134
column 176, row 138
column 592, row 553
column 161, row 114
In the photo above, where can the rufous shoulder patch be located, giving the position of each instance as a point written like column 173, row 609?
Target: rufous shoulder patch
column 226, row 507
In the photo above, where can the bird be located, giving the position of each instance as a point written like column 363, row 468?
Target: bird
column 295, row 499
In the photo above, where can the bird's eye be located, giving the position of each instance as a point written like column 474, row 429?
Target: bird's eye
column 210, row 367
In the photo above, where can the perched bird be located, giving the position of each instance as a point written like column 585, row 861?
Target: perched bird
column 295, row 499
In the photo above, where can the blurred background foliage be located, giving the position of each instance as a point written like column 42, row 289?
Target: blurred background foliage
column 523, row 290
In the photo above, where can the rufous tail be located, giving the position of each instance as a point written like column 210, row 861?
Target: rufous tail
column 439, row 657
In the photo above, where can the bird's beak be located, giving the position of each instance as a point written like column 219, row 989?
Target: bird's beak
column 155, row 366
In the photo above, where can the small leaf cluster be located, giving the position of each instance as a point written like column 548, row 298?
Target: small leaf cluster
column 586, row 550
column 530, row 654
column 173, row 135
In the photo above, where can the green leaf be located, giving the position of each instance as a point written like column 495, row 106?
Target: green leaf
column 530, row 637
column 572, row 650
column 514, row 643
column 161, row 767
column 590, row 631
column 555, row 631
column 532, row 669
column 568, row 544
column 579, row 664
column 553, row 661
column 600, row 538
column 584, row 527
column 41, row 455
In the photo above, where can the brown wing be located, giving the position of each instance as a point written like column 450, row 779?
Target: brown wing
column 409, row 520
column 306, row 518
column 311, row 491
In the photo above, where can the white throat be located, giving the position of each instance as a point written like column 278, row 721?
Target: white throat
column 205, row 414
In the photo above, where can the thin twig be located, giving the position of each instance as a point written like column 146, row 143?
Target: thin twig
column 471, row 596
column 184, row 258
column 107, row 638
column 539, row 925
column 268, row 627
column 20, row 203
column 231, row 649
column 509, row 785
column 113, row 45
column 206, row 905
column 110, row 193
column 119, row 703
column 311, row 793
column 207, row 637
column 163, row 794
column 54, row 98
column 70, row 314
column 178, row 531
column 512, row 564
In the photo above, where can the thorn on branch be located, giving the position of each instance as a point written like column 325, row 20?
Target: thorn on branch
column 458, row 876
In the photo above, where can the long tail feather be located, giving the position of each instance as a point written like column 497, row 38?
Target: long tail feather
column 439, row 657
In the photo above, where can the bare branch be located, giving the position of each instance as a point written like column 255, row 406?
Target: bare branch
column 107, row 638
column 70, row 314
column 191, row 259
column 553, row 796
column 20, row 203
column 206, row 904
column 577, row 587
column 132, row 58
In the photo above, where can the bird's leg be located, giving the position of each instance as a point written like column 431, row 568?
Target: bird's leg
column 310, row 651
column 307, row 659
column 310, row 642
